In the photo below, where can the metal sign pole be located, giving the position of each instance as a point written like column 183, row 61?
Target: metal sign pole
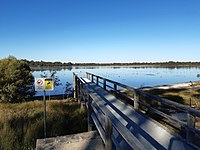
column 44, row 97
column 44, row 84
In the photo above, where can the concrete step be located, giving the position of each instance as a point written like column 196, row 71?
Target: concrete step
column 82, row 141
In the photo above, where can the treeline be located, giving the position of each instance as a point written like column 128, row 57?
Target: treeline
column 46, row 63
column 158, row 64
column 155, row 64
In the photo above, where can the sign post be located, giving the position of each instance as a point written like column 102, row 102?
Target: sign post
column 45, row 116
column 44, row 84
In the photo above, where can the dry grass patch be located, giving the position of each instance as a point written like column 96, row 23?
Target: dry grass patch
column 21, row 124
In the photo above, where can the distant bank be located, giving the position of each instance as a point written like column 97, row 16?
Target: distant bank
column 153, row 64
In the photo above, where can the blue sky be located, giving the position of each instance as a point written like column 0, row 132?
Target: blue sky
column 100, row 30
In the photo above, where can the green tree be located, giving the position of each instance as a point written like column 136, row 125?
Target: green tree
column 16, row 80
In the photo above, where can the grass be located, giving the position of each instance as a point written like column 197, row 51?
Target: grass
column 187, row 96
column 180, row 95
column 21, row 124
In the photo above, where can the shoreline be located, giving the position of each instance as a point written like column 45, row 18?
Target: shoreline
column 151, row 64
column 172, row 86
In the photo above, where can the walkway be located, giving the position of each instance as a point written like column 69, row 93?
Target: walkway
column 151, row 134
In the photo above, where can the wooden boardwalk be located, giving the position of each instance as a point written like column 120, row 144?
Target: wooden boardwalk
column 119, row 124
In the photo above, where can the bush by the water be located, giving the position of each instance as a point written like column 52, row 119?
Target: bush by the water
column 16, row 80
column 21, row 124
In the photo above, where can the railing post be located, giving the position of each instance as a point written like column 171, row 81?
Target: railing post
column 87, row 75
column 115, row 87
column 136, row 99
column 90, row 122
column 75, row 85
column 191, row 124
column 104, row 84
column 108, row 133
column 92, row 79
column 97, row 81
column 79, row 94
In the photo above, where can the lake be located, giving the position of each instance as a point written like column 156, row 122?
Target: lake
column 135, row 76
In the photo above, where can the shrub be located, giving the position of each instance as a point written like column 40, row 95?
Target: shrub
column 16, row 80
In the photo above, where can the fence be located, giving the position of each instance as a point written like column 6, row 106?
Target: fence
column 192, row 113
column 107, row 123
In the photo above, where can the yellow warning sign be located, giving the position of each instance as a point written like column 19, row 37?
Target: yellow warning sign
column 48, row 84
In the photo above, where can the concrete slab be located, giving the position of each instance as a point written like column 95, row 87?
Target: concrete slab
column 82, row 141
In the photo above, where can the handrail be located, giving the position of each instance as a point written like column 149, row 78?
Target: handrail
column 105, row 121
column 189, row 126
column 153, row 97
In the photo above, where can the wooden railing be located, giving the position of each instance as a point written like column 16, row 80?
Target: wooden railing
column 187, row 127
column 106, row 123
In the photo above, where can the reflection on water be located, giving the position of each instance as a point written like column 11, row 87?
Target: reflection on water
column 51, row 68
column 136, row 76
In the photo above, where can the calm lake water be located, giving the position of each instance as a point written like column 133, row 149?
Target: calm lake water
column 135, row 76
